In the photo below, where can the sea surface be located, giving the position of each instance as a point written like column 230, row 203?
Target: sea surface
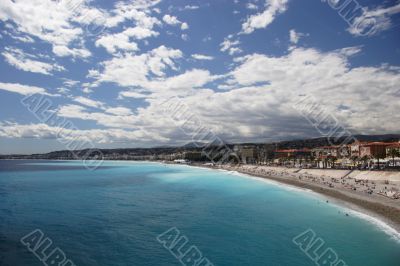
column 113, row 215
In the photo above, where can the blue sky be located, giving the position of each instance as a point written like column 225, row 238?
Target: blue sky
column 239, row 67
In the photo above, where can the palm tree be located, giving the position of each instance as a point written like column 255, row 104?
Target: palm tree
column 333, row 161
column 365, row 158
column 311, row 159
column 379, row 156
column 393, row 152
column 354, row 159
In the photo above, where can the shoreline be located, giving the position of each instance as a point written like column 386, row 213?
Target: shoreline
column 378, row 210
column 384, row 211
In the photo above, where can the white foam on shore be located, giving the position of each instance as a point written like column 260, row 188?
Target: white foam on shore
column 377, row 222
column 270, row 181
column 386, row 228
column 381, row 225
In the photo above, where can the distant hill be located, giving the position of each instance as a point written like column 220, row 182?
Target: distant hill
column 127, row 153
column 318, row 142
column 194, row 145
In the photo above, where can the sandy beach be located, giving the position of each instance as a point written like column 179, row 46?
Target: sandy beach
column 371, row 192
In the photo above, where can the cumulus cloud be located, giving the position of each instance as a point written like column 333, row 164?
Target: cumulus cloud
column 22, row 89
column 99, row 136
column 172, row 20
column 251, row 6
column 251, row 101
column 259, row 100
column 262, row 20
column 114, row 42
column 137, row 11
column 63, row 51
column 184, row 26
column 295, row 36
column 63, row 24
column 133, row 70
column 27, row 62
column 132, row 94
column 50, row 21
column 114, row 118
column 124, row 40
column 89, row 102
column 230, row 46
column 119, row 111
column 202, row 57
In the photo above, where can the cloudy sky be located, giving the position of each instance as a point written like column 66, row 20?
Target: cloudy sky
column 237, row 68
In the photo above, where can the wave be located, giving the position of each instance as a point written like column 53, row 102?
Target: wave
column 378, row 222
column 382, row 225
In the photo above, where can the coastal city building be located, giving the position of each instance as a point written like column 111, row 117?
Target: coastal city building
column 248, row 155
column 374, row 150
column 193, row 155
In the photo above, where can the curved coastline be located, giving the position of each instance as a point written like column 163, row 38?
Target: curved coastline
column 386, row 218
column 380, row 221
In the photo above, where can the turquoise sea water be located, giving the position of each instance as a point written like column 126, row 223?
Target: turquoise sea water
column 112, row 216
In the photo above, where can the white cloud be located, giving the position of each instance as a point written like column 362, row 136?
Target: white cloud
column 326, row 76
column 22, row 89
column 184, row 26
column 226, row 44
column 115, row 42
column 24, row 61
column 258, row 86
column 89, row 102
column 133, row 94
column 251, row 6
column 171, row 20
column 99, row 136
column 70, row 82
column 134, row 70
column 63, row 90
column 185, row 37
column 16, row 35
column 262, row 20
column 140, row 33
column 261, row 87
column 108, row 119
column 50, row 21
column 229, row 46
column 187, row 81
column 234, row 50
column 295, row 36
column 374, row 21
column 202, row 57
column 119, row 111
column 191, row 7
column 137, row 11
column 39, row 131
column 62, row 51
column 123, row 40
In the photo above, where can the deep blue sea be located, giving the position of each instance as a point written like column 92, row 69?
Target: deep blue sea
column 113, row 215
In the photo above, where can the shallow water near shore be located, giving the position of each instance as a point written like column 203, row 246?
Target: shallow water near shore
column 112, row 216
